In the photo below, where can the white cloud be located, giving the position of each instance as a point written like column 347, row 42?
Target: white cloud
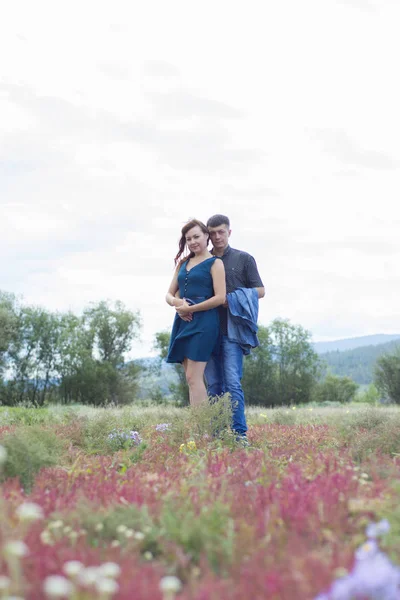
column 118, row 126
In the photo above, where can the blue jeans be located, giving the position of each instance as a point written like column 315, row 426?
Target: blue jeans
column 223, row 374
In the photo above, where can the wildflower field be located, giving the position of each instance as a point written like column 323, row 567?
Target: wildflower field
column 148, row 503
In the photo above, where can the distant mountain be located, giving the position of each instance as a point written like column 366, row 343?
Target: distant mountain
column 358, row 363
column 357, row 342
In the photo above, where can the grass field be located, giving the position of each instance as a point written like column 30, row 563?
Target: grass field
column 148, row 503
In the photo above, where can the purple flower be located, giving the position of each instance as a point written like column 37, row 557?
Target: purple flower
column 374, row 576
column 135, row 437
column 377, row 577
column 367, row 550
column 342, row 589
column 163, row 426
column 121, row 439
column 375, row 530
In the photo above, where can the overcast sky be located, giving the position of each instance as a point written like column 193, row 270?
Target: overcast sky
column 120, row 121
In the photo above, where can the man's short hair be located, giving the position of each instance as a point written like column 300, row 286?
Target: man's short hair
column 217, row 220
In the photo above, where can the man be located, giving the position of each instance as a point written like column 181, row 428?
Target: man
column 225, row 368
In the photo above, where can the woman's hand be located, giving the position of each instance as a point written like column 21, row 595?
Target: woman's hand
column 184, row 311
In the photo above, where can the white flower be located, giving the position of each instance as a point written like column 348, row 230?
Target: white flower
column 29, row 511
column 129, row 533
column 56, row 586
column 139, row 535
column 170, row 583
column 115, row 544
column 16, row 548
column 110, row 569
column 55, row 524
column 5, row 583
column 45, row 538
column 3, row 455
column 148, row 555
column 72, row 568
column 107, row 586
column 99, row 527
column 88, row 576
column 121, row 528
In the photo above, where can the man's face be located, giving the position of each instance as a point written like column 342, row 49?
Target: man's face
column 219, row 236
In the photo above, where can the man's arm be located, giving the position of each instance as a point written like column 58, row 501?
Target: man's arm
column 253, row 277
column 261, row 292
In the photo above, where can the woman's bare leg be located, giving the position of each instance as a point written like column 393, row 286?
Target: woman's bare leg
column 195, row 378
column 185, row 366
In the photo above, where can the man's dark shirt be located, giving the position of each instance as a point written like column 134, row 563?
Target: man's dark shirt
column 240, row 271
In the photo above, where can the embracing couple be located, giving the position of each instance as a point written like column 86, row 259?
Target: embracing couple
column 215, row 294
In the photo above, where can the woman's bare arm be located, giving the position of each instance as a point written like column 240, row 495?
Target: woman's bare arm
column 171, row 297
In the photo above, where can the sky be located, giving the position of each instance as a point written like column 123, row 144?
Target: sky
column 121, row 121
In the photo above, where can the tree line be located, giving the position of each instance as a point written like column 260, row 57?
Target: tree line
column 54, row 357
column 283, row 370
column 50, row 356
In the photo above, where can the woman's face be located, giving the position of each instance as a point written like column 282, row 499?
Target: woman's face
column 197, row 240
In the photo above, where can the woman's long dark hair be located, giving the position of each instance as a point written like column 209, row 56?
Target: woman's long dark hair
column 182, row 242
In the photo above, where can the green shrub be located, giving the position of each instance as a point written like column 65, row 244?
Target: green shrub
column 179, row 528
column 370, row 395
column 209, row 419
column 370, row 417
column 96, row 431
column 25, row 416
column 209, row 531
column 284, row 416
column 335, row 389
column 383, row 439
column 28, row 450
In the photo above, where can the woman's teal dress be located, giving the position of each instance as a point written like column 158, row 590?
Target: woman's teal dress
column 197, row 338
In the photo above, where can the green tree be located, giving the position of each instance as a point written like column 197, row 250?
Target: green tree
column 336, row 389
column 92, row 355
column 297, row 363
column 179, row 390
column 8, row 327
column 387, row 376
column 75, row 357
column 260, row 381
column 283, row 369
column 52, row 356
column 369, row 395
column 113, row 330
column 32, row 357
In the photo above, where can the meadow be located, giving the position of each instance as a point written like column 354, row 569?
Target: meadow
column 160, row 502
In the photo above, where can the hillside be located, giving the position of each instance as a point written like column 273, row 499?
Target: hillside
column 358, row 363
column 357, row 342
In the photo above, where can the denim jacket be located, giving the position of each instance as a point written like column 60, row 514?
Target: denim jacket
column 242, row 318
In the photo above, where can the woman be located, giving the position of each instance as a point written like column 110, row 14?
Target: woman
column 200, row 280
